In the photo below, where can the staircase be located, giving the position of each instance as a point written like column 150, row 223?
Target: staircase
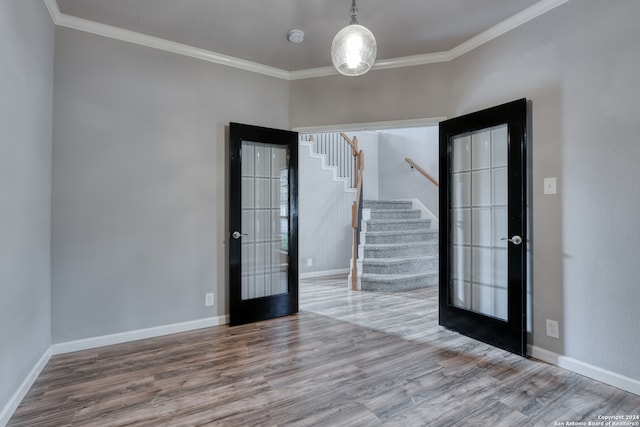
column 336, row 154
column 398, row 249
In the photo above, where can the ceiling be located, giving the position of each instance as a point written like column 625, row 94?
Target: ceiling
column 256, row 30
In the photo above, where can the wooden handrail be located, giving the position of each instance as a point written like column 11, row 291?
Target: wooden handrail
column 355, row 210
column 352, row 142
column 356, row 203
column 355, row 152
column 422, row 171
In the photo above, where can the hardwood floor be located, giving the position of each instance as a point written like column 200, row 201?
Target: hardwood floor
column 347, row 359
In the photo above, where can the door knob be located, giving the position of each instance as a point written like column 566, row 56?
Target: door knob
column 236, row 234
column 516, row 240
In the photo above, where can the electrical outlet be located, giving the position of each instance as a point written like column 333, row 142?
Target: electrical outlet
column 553, row 330
column 550, row 185
column 309, row 262
column 208, row 299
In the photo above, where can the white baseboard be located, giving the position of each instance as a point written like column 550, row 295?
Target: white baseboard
column 542, row 354
column 599, row 374
column 104, row 340
column 324, row 273
column 620, row 381
column 7, row 412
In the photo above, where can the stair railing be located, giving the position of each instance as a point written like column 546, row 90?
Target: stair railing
column 336, row 152
column 356, row 208
column 426, row 174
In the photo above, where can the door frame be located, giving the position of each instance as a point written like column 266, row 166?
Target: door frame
column 512, row 334
column 267, row 307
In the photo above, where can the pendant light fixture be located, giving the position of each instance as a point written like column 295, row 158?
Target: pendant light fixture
column 354, row 49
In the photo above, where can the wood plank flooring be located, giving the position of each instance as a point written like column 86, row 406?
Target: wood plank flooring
column 347, row 359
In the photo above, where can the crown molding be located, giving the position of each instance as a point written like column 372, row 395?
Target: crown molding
column 54, row 10
column 410, row 61
column 121, row 34
column 505, row 26
column 88, row 26
column 381, row 64
column 310, row 73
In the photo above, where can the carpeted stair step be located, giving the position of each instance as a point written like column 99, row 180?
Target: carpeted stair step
column 399, row 224
column 409, row 265
column 387, row 204
column 399, row 250
column 398, row 282
column 395, row 214
column 398, row 236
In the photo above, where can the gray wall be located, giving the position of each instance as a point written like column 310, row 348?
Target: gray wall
column 579, row 66
column 396, row 94
column 397, row 179
column 139, row 161
column 26, row 84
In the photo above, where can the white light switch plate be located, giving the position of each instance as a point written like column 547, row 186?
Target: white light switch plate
column 550, row 185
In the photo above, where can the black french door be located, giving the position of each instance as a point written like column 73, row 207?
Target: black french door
column 263, row 223
column 483, row 240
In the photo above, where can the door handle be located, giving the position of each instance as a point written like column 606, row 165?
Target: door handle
column 236, row 235
column 516, row 240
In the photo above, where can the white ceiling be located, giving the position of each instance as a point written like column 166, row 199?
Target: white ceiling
column 256, row 30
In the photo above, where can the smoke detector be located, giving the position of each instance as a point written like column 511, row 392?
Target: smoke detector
column 295, row 36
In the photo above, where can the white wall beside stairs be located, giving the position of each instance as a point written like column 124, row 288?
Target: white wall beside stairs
column 324, row 212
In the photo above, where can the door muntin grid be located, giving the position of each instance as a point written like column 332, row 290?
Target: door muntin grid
column 265, row 220
column 479, row 218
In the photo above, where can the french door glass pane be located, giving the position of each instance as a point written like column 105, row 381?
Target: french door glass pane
column 265, row 220
column 479, row 222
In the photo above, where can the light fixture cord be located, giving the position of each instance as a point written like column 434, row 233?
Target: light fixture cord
column 354, row 13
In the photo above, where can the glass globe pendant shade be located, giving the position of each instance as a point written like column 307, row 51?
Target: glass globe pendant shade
column 353, row 50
